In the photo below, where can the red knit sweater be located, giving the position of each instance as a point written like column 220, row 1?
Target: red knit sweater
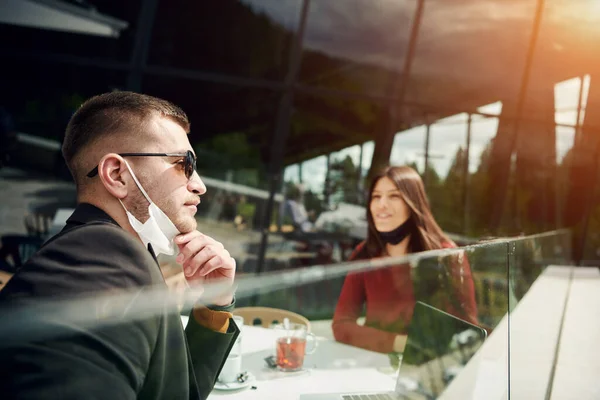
column 388, row 296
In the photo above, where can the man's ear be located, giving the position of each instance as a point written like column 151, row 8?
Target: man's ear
column 111, row 169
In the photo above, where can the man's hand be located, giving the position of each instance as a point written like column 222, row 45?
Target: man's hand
column 205, row 261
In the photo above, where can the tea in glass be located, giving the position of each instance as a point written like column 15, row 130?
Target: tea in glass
column 290, row 353
column 290, row 346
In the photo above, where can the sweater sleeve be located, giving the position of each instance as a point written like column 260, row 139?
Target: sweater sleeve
column 209, row 350
column 349, row 308
column 463, row 287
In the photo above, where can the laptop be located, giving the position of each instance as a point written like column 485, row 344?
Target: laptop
column 438, row 346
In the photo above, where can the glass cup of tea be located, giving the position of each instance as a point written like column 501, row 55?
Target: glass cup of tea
column 291, row 346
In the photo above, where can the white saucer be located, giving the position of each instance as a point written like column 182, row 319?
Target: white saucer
column 235, row 385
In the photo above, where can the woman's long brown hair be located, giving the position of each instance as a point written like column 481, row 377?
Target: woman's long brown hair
column 429, row 235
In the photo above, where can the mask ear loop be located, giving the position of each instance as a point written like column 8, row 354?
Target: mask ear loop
column 122, row 204
column 137, row 183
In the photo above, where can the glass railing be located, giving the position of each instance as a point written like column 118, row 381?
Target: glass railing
column 363, row 311
column 539, row 276
column 358, row 308
column 450, row 324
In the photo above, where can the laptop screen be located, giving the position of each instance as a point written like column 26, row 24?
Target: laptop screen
column 438, row 346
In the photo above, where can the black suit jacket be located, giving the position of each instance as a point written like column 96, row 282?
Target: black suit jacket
column 136, row 356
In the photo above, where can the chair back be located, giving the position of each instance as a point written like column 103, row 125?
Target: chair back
column 18, row 248
column 266, row 316
column 38, row 225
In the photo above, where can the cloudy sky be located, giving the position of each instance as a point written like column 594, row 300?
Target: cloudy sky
column 377, row 31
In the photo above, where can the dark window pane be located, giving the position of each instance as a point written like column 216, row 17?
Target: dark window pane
column 42, row 97
column 324, row 124
column 356, row 45
column 232, row 126
column 245, row 38
column 470, row 53
column 62, row 40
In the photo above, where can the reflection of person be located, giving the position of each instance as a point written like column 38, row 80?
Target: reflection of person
column 137, row 190
column 296, row 210
column 400, row 222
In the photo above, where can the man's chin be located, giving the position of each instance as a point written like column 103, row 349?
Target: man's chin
column 188, row 225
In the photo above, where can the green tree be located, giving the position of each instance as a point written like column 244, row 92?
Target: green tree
column 479, row 200
column 449, row 205
column 230, row 156
column 343, row 182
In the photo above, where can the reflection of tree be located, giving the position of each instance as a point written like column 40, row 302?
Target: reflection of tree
column 431, row 336
column 49, row 115
column 479, row 196
column 437, row 282
column 321, row 125
column 343, row 182
column 449, row 204
column 313, row 203
column 231, row 153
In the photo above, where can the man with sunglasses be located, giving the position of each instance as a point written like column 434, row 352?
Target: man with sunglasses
column 137, row 190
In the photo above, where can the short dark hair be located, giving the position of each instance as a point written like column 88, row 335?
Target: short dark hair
column 112, row 113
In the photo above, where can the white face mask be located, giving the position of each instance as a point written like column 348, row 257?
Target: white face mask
column 158, row 230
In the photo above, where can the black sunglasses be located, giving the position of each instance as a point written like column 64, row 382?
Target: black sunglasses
column 189, row 160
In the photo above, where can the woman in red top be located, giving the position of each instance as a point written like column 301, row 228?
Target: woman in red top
column 400, row 222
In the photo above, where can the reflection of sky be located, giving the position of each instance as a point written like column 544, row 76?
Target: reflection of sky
column 408, row 147
column 352, row 151
column 566, row 101
column 366, row 31
column 377, row 31
column 291, row 174
column 285, row 12
column 314, row 172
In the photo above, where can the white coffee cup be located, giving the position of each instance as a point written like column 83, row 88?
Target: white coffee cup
column 231, row 369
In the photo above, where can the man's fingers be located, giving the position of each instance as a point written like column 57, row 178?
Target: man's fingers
column 197, row 261
column 191, row 243
column 222, row 260
column 186, row 237
column 212, row 264
column 190, row 249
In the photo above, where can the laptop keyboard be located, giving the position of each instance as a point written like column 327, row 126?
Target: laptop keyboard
column 374, row 396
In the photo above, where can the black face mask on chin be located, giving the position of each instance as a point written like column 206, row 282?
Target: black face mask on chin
column 397, row 235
